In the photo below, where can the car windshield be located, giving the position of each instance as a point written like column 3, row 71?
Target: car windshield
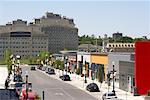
column 111, row 94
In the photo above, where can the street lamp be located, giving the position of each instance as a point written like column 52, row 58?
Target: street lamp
column 50, row 60
column 85, row 81
column 26, row 87
column 66, row 63
column 113, row 78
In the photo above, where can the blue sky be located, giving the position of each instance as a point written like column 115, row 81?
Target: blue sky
column 98, row 17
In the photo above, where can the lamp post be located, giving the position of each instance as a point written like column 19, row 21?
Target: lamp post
column 85, row 81
column 50, row 60
column 66, row 63
column 26, row 87
column 113, row 78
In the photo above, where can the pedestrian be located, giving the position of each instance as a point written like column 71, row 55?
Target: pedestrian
column 6, row 84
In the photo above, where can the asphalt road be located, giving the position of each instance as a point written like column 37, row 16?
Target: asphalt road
column 55, row 89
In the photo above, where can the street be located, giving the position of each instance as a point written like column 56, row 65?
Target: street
column 54, row 89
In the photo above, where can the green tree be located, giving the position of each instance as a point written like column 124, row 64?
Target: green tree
column 86, row 39
column 101, row 74
column 126, row 39
column 78, row 71
column 7, row 55
column 59, row 64
column 139, row 39
column 43, row 55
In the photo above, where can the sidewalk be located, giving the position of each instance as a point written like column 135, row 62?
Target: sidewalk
column 78, row 81
column 3, row 75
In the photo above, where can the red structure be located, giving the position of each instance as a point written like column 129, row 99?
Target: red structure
column 142, row 67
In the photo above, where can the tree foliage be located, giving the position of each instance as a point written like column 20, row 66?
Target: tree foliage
column 44, row 54
column 7, row 55
column 86, row 39
column 59, row 64
column 101, row 74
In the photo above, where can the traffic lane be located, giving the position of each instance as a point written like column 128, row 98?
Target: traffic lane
column 55, row 89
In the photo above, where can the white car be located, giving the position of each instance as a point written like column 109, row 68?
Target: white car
column 109, row 96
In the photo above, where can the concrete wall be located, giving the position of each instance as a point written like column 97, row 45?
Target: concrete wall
column 126, row 76
column 116, row 57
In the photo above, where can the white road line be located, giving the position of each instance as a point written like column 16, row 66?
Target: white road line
column 72, row 98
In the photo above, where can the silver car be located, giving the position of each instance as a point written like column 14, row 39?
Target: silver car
column 109, row 96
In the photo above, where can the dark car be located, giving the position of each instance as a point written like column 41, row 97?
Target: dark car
column 65, row 78
column 50, row 71
column 32, row 68
column 40, row 67
column 109, row 95
column 18, row 78
column 92, row 87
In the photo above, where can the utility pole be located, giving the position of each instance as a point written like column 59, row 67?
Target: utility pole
column 113, row 79
column 43, row 94
column 85, row 81
column 26, row 87
column 96, row 46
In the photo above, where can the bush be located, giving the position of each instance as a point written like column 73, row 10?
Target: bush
column 78, row 71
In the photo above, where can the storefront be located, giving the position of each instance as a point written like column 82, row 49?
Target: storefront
column 84, row 59
column 99, row 63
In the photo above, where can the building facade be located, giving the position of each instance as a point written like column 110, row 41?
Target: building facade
column 99, row 60
column 126, row 76
column 50, row 33
column 117, row 36
column 115, row 57
column 142, row 69
column 22, row 40
column 120, row 47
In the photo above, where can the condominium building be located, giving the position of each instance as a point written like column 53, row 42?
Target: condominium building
column 49, row 33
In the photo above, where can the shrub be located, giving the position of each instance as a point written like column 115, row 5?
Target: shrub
column 78, row 71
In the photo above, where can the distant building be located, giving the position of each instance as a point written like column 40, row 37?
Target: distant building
column 51, row 33
column 117, row 36
column 61, row 31
column 120, row 47
column 89, row 48
column 22, row 39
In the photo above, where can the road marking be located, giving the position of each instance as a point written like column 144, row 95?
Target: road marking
column 72, row 98
column 59, row 94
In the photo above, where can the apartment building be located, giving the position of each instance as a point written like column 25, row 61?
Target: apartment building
column 51, row 33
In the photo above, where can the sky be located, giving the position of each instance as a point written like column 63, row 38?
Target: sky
column 98, row 17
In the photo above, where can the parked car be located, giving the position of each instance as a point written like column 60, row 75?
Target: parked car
column 65, row 77
column 44, row 68
column 32, row 68
column 50, row 71
column 18, row 78
column 92, row 87
column 109, row 95
column 40, row 66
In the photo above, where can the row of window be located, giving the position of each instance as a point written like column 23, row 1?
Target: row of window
column 123, row 45
column 14, row 42
column 22, row 47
